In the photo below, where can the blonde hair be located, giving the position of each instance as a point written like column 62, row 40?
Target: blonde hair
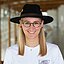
column 42, row 42
column 21, row 42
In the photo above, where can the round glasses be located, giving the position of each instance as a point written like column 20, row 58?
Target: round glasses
column 28, row 24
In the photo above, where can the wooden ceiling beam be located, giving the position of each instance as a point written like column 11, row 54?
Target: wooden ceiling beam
column 12, row 1
column 40, row 3
column 44, row 5
column 1, row 2
column 9, row 1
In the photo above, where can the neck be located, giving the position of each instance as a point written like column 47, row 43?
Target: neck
column 32, row 42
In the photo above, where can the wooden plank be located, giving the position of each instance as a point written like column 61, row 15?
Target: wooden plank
column 15, row 36
column 49, row 1
column 45, row 5
column 9, row 29
column 9, row 33
column 0, row 35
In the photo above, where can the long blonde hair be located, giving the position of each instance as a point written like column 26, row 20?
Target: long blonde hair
column 42, row 42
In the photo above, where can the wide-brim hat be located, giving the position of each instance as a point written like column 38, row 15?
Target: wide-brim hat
column 32, row 10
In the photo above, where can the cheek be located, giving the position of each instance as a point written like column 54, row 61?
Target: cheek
column 24, row 29
column 38, row 30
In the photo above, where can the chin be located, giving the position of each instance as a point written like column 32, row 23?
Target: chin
column 32, row 36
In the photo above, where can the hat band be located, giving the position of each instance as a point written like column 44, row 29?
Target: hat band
column 31, row 15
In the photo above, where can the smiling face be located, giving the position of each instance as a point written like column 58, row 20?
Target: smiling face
column 31, row 26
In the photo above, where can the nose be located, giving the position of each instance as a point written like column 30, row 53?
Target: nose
column 31, row 25
column 31, row 28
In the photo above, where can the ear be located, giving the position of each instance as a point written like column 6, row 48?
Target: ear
column 20, row 25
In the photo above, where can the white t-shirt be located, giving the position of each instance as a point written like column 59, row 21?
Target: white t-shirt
column 31, row 55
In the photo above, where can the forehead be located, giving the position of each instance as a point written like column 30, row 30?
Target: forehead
column 31, row 19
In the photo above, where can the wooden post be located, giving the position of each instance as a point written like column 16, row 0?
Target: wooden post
column 9, row 34
column 15, row 36
column 9, row 29
column 0, row 35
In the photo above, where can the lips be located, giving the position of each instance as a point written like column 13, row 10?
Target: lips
column 31, row 32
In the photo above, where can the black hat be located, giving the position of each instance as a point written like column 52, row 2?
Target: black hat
column 32, row 10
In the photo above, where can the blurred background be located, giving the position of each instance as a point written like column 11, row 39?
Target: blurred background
column 12, row 8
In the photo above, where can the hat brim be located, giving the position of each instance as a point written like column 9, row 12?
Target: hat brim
column 47, row 19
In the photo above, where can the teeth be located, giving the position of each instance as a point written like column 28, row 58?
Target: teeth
column 31, row 32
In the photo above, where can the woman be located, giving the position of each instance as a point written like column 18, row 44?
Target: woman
column 32, row 47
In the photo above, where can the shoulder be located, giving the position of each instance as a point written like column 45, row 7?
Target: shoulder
column 52, row 47
column 12, row 49
column 54, row 52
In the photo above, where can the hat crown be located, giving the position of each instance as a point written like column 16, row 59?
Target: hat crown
column 31, row 8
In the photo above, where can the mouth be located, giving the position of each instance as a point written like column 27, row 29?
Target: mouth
column 31, row 32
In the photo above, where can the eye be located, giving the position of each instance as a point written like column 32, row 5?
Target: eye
column 26, row 23
column 37, row 23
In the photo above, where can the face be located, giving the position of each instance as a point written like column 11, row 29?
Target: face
column 31, row 26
